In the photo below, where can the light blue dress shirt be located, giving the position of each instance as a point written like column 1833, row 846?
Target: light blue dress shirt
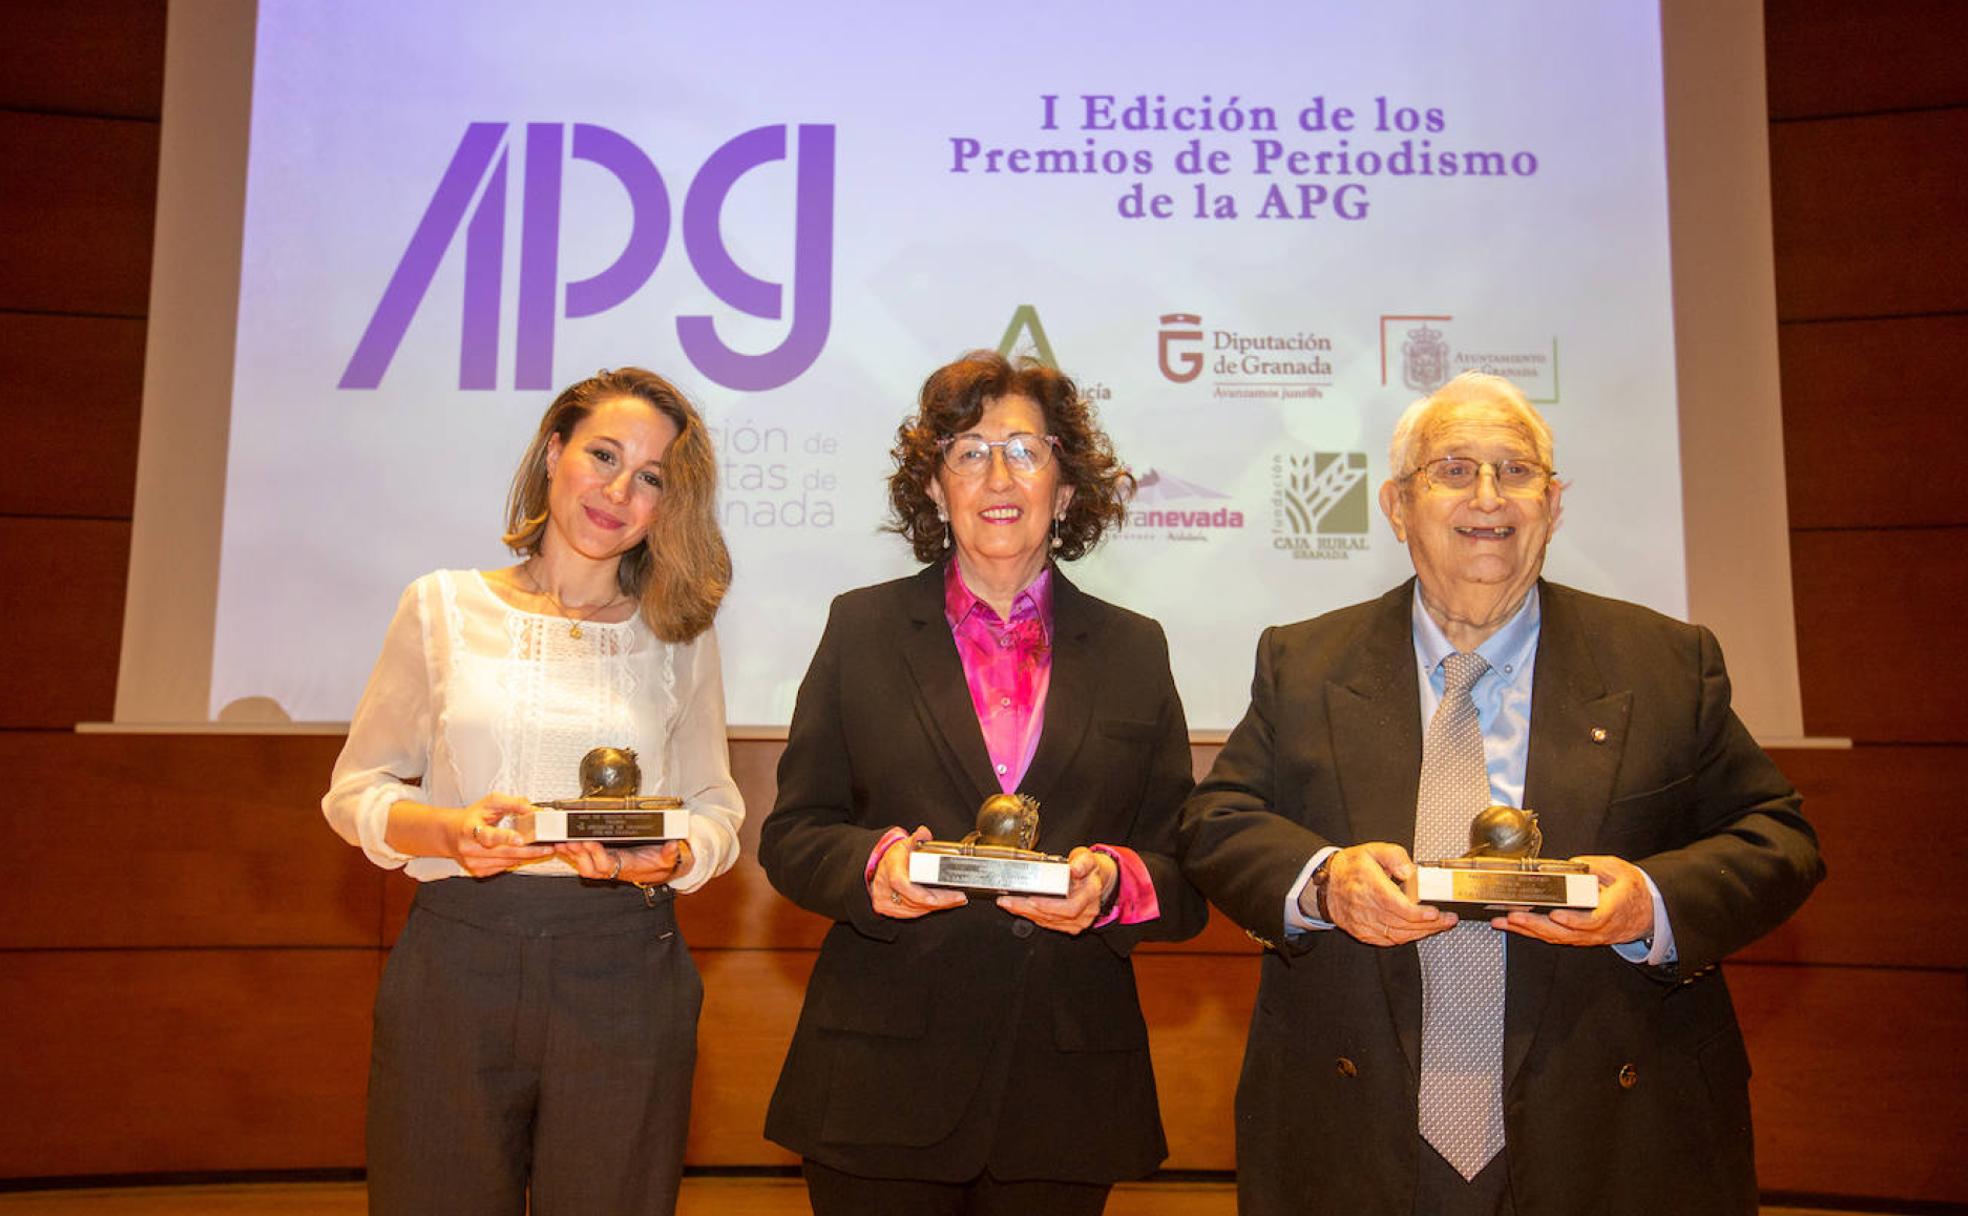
column 1503, row 711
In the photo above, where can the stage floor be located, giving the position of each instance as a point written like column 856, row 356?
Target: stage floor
column 701, row 1197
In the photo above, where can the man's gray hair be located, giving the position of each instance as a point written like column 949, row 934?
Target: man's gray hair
column 1411, row 433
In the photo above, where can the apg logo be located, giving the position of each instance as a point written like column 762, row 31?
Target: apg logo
column 480, row 160
column 1319, row 504
column 1191, row 360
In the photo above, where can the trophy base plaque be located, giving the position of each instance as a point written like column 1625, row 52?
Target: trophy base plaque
column 604, row 827
column 1506, row 884
column 981, row 870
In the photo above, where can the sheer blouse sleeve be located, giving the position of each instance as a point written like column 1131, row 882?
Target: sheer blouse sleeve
column 703, row 766
column 389, row 738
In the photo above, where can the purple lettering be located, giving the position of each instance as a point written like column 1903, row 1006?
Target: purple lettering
column 813, row 260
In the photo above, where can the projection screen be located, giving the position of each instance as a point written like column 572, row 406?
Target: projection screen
column 388, row 233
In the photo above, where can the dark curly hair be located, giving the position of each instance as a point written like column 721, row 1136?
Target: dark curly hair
column 951, row 402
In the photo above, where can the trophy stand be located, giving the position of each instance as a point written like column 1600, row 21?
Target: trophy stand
column 1502, row 871
column 997, row 857
column 609, row 811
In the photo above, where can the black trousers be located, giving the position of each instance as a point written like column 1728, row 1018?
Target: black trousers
column 532, row 1035
column 834, row 1193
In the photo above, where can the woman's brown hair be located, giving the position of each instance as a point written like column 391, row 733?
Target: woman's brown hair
column 682, row 569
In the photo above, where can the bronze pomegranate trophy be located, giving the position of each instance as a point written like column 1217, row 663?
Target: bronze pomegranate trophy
column 999, row 855
column 609, row 810
column 1502, row 870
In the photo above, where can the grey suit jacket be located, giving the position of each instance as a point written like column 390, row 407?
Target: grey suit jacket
column 1625, row 1087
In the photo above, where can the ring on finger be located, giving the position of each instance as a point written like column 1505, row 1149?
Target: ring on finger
column 474, row 835
column 895, row 897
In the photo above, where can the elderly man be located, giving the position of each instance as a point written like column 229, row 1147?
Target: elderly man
column 1402, row 1060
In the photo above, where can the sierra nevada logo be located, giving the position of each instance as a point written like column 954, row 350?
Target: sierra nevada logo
column 1319, row 504
column 1179, row 510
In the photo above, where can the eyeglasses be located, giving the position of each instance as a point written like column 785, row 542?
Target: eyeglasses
column 1458, row 474
column 1024, row 454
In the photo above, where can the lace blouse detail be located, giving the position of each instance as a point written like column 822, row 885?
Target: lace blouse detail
column 474, row 696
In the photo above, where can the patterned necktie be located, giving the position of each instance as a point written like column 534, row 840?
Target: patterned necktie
column 1462, row 969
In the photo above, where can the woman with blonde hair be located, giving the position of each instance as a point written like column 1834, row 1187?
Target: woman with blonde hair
column 535, row 1027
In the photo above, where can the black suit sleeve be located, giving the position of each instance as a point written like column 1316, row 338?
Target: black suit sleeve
column 1153, row 833
column 1752, row 858
column 811, row 848
column 1238, row 842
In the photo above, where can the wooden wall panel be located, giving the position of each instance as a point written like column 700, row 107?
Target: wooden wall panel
column 100, row 57
column 1878, row 629
column 1870, row 421
column 69, row 405
column 1866, row 214
column 76, row 204
column 62, row 600
column 741, row 909
column 173, row 840
column 751, row 1003
column 157, row 1061
column 1198, row 1009
column 1874, row 808
column 246, row 836
column 1198, row 1003
column 1856, row 56
column 1857, row 1087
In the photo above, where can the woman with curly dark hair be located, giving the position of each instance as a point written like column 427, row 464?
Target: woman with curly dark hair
column 967, row 1053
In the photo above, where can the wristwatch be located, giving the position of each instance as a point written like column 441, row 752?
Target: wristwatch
column 1320, row 878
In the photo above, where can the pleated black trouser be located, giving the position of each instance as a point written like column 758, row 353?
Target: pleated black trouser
column 532, row 1033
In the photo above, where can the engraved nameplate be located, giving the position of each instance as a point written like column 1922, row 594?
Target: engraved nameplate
column 606, row 827
column 1506, row 888
column 1010, row 875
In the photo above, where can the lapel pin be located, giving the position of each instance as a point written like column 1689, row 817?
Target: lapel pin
column 1598, row 734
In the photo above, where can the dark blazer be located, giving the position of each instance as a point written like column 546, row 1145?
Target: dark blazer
column 932, row 1048
column 1625, row 1087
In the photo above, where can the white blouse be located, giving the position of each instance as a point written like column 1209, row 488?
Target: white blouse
column 472, row 696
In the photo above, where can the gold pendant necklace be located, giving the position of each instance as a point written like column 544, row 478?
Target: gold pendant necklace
column 574, row 622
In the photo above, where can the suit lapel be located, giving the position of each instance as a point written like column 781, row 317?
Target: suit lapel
column 1069, row 691
column 1376, row 726
column 1372, row 708
column 942, row 696
column 1568, row 778
column 1568, row 781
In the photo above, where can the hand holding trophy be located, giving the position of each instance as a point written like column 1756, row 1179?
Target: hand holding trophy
column 998, row 856
column 1502, row 870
